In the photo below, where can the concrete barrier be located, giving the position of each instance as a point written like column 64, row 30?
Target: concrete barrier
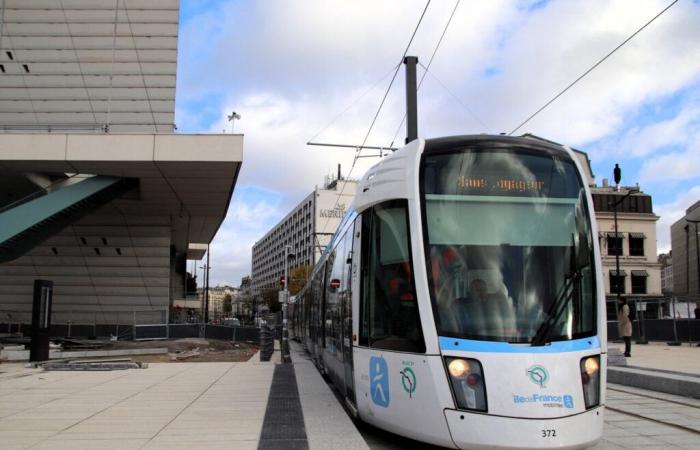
column 23, row 355
column 656, row 380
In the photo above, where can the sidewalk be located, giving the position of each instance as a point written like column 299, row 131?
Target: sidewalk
column 660, row 356
column 177, row 405
column 170, row 406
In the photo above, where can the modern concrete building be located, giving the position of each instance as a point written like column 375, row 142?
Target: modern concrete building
column 666, row 261
column 684, row 245
column 97, row 193
column 307, row 229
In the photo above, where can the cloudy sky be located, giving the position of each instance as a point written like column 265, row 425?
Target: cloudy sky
column 290, row 67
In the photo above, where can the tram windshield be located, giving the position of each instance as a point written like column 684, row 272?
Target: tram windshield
column 508, row 245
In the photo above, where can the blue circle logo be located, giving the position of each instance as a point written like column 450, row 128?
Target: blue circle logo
column 538, row 375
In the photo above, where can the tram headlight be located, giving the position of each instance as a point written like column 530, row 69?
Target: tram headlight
column 467, row 380
column 590, row 380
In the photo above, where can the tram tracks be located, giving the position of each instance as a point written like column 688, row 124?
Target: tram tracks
column 650, row 417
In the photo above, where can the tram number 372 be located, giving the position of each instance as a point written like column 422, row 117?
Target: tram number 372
column 549, row 433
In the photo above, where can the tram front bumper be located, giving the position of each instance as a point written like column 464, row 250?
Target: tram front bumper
column 483, row 431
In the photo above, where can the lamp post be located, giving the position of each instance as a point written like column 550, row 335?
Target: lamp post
column 697, row 256
column 617, row 172
column 697, row 266
column 232, row 118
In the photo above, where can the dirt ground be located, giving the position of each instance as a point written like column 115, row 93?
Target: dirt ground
column 191, row 350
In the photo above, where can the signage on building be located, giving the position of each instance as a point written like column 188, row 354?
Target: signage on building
column 336, row 213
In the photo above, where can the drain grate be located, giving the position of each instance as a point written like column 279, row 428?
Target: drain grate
column 283, row 427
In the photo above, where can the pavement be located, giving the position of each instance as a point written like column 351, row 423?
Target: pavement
column 661, row 356
column 228, row 405
column 659, row 367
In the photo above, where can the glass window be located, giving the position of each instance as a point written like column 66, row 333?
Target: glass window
column 639, row 284
column 636, row 246
column 390, row 318
column 614, row 246
column 338, row 287
column 508, row 246
column 615, row 281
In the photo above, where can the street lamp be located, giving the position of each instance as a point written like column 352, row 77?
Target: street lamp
column 617, row 172
column 697, row 266
column 232, row 117
column 697, row 255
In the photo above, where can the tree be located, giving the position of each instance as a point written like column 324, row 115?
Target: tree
column 271, row 299
column 191, row 287
column 298, row 277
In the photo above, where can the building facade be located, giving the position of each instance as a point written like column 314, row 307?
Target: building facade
column 666, row 261
column 684, row 245
column 97, row 193
column 307, row 229
column 634, row 243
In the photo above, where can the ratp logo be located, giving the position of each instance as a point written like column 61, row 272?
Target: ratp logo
column 538, row 375
column 379, row 381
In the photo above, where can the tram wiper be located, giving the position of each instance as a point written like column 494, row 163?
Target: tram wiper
column 555, row 311
column 573, row 280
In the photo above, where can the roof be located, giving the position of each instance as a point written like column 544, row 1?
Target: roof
column 178, row 174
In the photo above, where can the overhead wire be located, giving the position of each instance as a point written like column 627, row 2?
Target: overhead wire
column 77, row 60
column 111, row 68
column 24, row 81
column 456, row 97
column 353, row 103
column 553, row 99
column 138, row 60
column 420, row 83
column 379, row 109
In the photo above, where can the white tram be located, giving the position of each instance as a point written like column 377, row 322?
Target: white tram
column 461, row 300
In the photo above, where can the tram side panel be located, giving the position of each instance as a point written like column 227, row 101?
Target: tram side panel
column 399, row 387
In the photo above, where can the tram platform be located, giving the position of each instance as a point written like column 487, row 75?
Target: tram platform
column 268, row 405
column 660, row 367
column 241, row 405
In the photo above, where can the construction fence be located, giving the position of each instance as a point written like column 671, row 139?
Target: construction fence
column 125, row 325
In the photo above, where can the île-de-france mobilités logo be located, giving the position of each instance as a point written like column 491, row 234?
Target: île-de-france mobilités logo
column 538, row 375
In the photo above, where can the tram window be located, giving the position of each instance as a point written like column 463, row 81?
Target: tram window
column 333, row 311
column 389, row 310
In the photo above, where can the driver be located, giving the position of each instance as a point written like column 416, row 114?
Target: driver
column 486, row 314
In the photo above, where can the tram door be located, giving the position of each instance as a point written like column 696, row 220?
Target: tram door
column 351, row 263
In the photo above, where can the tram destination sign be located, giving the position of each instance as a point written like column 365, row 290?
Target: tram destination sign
column 483, row 185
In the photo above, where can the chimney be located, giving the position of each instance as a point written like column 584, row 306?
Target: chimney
column 605, row 182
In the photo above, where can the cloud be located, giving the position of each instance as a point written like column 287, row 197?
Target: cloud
column 289, row 67
column 252, row 210
column 672, row 166
column 670, row 213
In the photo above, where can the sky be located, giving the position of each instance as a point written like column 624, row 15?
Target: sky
column 316, row 70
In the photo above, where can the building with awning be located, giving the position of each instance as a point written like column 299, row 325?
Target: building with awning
column 633, row 244
column 97, row 192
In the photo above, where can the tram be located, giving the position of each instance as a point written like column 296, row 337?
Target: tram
column 460, row 302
